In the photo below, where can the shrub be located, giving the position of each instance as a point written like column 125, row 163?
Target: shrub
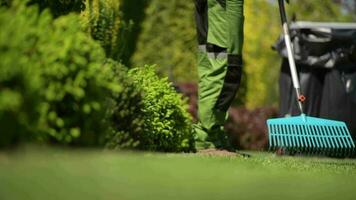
column 102, row 19
column 57, row 85
column 167, row 124
column 77, row 84
column 20, row 83
column 126, row 116
column 54, row 62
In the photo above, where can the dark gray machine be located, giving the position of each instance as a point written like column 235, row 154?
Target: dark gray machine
column 325, row 54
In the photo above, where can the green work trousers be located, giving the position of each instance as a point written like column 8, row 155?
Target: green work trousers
column 220, row 36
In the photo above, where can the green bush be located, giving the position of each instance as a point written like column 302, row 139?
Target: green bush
column 20, row 83
column 57, row 85
column 102, row 19
column 167, row 124
column 126, row 116
column 77, row 84
column 55, row 63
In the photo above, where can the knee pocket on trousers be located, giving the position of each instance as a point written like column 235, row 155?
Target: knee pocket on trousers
column 231, row 82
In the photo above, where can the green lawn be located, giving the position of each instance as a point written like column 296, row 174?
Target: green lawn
column 41, row 173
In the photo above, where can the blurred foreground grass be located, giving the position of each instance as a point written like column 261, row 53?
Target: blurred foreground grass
column 46, row 173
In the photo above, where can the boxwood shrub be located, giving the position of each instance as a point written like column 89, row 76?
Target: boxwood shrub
column 167, row 123
column 125, row 116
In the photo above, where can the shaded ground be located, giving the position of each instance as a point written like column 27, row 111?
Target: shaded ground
column 42, row 173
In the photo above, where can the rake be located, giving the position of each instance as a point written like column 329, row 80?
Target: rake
column 303, row 134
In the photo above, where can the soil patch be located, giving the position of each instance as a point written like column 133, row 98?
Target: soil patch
column 217, row 152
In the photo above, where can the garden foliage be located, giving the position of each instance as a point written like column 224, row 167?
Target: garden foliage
column 167, row 123
column 125, row 116
column 102, row 19
column 20, row 82
column 58, row 86
column 59, row 7
column 76, row 83
column 168, row 39
column 134, row 13
column 57, row 66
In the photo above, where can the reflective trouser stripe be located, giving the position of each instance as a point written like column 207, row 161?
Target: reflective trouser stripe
column 202, row 48
column 218, row 56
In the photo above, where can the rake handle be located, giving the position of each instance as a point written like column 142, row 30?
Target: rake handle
column 293, row 69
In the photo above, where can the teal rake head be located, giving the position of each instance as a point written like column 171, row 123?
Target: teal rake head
column 310, row 135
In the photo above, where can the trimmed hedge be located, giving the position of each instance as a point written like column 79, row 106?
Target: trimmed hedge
column 125, row 116
column 167, row 123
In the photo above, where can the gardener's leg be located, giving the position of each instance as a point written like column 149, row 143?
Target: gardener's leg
column 201, row 16
column 234, row 44
column 219, row 66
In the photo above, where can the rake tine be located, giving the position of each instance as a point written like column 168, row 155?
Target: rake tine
column 287, row 136
column 284, row 142
column 286, row 128
column 278, row 137
column 348, row 138
column 318, row 139
column 321, row 138
column 275, row 139
column 335, row 139
column 330, row 140
column 307, row 138
column 343, row 139
column 270, row 136
column 341, row 136
column 292, row 138
column 312, row 137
